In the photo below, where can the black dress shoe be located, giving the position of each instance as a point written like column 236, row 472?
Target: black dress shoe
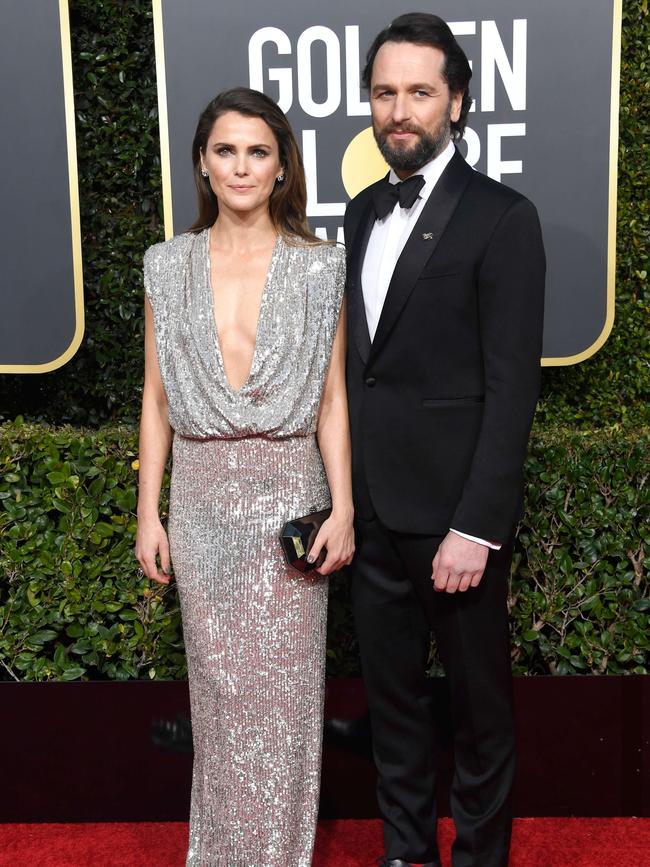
column 397, row 862
column 175, row 735
column 351, row 736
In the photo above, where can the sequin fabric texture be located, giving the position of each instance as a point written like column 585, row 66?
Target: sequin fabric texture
column 244, row 462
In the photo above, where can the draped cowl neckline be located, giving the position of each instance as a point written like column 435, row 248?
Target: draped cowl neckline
column 296, row 325
column 260, row 328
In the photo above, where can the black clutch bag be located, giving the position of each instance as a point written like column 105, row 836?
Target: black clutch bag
column 298, row 536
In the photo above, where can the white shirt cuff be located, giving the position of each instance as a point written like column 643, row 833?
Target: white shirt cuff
column 496, row 546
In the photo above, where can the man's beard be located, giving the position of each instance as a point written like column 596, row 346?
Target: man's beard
column 410, row 159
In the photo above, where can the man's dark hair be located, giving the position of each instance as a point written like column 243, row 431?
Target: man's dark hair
column 421, row 28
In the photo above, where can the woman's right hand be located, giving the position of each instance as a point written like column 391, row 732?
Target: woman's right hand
column 151, row 541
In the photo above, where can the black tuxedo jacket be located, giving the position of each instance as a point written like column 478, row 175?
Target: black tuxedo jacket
column 442, row 401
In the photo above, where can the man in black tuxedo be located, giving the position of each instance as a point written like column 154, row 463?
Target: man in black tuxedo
column 445, row 303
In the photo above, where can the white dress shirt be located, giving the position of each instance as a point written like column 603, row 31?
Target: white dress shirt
column 386, row 242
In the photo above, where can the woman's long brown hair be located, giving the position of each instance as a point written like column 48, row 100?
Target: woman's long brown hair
column 288, row 201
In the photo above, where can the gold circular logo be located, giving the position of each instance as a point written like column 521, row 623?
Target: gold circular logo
column 362, row 163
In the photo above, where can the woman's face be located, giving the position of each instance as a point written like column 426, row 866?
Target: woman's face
column 242, row 160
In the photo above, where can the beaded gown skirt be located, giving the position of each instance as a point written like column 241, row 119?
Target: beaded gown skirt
column 255, row 641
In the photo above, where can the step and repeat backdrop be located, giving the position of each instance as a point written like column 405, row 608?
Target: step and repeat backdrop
column 544, row 120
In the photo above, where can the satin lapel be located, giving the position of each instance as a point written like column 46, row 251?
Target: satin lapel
column 357, row 322
column 422, row 243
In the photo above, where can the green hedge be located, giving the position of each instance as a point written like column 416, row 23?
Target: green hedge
column 71, row 602
column 72, row 605
column 580, row 590
column 119, row 178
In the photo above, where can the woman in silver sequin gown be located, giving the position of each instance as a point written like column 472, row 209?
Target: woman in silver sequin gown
column 258, row 418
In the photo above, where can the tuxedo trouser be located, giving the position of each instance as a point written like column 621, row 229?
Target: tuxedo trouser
column 395, row 609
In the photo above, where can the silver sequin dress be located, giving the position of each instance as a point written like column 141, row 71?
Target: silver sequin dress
column 244, row 462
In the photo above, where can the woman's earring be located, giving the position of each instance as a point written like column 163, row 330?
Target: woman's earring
column 281, row 177
column 204, row 172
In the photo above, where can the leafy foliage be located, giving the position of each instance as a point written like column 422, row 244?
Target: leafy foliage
column 73, row 606
column 580, row 589
column 71, row 602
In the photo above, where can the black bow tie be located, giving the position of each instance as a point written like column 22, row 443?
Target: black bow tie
column 386, row 195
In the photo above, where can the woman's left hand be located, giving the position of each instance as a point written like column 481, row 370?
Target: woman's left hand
column 337, row 537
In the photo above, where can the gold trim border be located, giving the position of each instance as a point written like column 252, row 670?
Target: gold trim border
column 163, row 120
column 75, row 220
column 561, row 361
column 617, row 24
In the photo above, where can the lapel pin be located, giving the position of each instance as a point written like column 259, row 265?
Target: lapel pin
column 427, row 236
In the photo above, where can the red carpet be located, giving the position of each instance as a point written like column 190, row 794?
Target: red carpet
column 343, row 843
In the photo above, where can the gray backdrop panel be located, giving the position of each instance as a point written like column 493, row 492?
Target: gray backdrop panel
column 37, row 297
column 564, row 152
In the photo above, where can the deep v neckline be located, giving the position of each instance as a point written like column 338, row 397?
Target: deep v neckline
column 260, row 314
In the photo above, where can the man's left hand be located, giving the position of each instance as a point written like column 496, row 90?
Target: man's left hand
column 459, row 564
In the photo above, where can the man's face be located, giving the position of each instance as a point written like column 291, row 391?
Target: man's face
column 411, row 105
